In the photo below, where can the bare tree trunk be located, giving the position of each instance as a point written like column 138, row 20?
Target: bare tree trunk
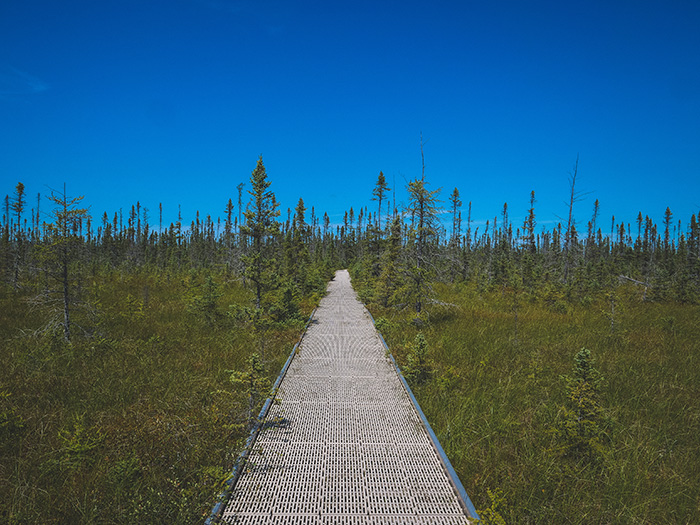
column 66, row 297
column 570, row 223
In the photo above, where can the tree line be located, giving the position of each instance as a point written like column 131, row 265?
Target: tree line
column 400, row 250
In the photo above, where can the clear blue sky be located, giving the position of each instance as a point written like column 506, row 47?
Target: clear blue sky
column 173, row 101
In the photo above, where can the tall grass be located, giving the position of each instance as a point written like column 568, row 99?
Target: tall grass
column 496, row 393
column 136, row 420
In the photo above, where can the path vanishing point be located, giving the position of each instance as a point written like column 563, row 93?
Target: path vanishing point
column 344, row 442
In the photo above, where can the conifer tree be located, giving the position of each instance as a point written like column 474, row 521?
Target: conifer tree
column 582, row 427
column 694, row 239
column 240, row 187
column 5, row 245
column 389, row 280
column 424, row 210
column 456, row 236
column 260, row 226
column 18, row 205
column 668, row 217
column 379, row 192
column 455, row 205
column 529, row 226
column 6, row 215
column 301, row 251
column 419, row 366
column 590, row 238
column 296, row 250
column 228, row 232
column 61, row 255
column 255, row 384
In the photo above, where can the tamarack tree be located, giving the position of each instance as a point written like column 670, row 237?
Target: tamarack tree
column 60, row 255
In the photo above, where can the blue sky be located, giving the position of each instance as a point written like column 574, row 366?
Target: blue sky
column 173, row 101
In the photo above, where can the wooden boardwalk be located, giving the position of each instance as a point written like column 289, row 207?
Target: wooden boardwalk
column 344, row 443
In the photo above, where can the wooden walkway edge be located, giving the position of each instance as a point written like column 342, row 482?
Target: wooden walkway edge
column 345, row 441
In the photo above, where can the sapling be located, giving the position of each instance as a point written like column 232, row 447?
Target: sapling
column 255, row 382
column 419, row 367
column 582, row 427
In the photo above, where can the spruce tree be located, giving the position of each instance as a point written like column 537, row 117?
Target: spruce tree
column 529, row 226
column 668, row 217
column 379, row 192
column 455, row 205
column 419, row 367
column 389, row 280
column 260, row 226
column 301, row 251
column 582, row 428
column 228, row 233
column 423, row 235
column 255, row 385
column 18, row 207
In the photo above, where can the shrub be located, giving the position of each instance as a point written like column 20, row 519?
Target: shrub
column 419, row 367
column 582, row 425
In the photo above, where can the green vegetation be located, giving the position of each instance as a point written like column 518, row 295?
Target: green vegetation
column 559, row 370
column 134, row 360
column 527, row 419
column 135, row 420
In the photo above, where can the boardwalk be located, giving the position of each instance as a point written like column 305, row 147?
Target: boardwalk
column 343, row 444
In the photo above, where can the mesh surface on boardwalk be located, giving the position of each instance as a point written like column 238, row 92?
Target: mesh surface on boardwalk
column 343, row 443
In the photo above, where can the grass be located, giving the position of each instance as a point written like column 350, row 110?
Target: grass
column 136, row 421
column 495, row 400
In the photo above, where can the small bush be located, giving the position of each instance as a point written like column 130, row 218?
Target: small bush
column 582, row 424
column 419, row 367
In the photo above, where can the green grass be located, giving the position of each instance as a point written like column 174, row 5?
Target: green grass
column 137, row 421
column 134, row 422
column 494, row 401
